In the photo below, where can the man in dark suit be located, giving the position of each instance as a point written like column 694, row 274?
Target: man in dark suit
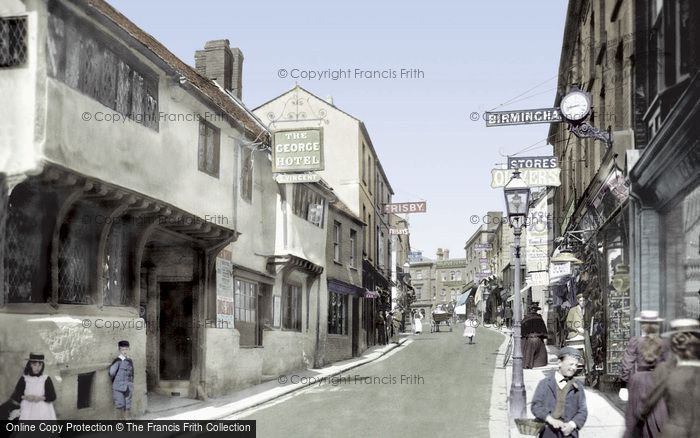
column 559, row 400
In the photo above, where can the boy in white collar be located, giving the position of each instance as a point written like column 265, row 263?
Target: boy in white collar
column 559, row 400
column 122, row 373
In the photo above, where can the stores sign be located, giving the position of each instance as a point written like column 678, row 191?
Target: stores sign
column 298, row 150
column 533, row 162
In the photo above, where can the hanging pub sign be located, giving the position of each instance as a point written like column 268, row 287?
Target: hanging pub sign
column 297, row 150
column 523, row 117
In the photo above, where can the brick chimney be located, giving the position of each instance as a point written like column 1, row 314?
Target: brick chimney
column 220, row 63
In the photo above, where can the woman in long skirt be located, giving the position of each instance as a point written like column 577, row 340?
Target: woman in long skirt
column 641, row 357
column 417, row 324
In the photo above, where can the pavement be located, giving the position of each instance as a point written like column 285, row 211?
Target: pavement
column 174, row 408
column 605, row 420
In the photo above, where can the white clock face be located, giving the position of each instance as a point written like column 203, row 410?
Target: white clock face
column 575, row 106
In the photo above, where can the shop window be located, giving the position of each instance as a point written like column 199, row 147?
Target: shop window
column 209, row 145
column 682, row 256
column 13, row 41
column 291, row 308
column 337, row 314
column 85, row 385
column 245, row 308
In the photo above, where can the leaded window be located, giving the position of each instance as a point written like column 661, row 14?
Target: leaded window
column 337, row 314
column 13, row 41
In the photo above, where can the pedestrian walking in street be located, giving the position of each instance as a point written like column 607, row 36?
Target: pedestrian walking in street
column 35, row 392
column 641, row 357
column 122, row 373
column 417, row 324
column 534, row 332
column 677, row 382
column 559, row 400
column 509, row 316
column 470, row 328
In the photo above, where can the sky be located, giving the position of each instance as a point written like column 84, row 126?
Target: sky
column 469, row 57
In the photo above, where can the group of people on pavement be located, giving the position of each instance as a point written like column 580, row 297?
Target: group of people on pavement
column 661, row 375
column 34, row 393
column 388, row 326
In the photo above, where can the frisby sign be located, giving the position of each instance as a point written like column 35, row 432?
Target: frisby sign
column 523, row 117
column 398, row 231
column 406, row 207
column 532, row 177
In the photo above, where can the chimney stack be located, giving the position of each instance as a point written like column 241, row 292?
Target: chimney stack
column 445, row 254
column 439, row 254
column 220, row 63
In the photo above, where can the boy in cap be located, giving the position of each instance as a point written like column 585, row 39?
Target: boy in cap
column 122, row 373
column 559, row 400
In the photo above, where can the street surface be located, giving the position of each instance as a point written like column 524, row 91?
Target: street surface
column 433, row 385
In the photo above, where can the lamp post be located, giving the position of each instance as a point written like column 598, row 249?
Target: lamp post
column 517, row 195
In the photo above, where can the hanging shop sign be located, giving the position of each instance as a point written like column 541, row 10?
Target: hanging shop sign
column 406, row 207
column 483, row 247
column 398, row 231
column 536, row 250
column 292, row 178
column 297, row 150
column 532, row 177
column 523, row 117
column 533, row 162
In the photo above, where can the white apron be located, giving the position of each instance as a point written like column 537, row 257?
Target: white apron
column 469, row 328
column 28, row 410
column 417, row 325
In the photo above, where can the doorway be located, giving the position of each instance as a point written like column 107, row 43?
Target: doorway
column 355, row 326
column 175, row 330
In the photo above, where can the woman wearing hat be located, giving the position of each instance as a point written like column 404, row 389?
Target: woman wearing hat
column 641, row 357
column 678, row 383
column 34, row 391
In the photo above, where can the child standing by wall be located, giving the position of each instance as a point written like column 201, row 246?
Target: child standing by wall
column 34, row 391
column 122, row 373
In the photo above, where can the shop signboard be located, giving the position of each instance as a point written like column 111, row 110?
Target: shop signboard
column 546, row 162
column 523, row 117
column 406, row 207
column 531, row 177
column 292, row 178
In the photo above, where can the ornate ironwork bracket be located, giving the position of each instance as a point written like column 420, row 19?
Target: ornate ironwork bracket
column 584, row 130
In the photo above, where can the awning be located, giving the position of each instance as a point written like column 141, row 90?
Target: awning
column 370, row 294
column 462, row 299
column 340, row 287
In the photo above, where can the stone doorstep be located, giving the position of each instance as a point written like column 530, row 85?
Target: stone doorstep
column 265, row 392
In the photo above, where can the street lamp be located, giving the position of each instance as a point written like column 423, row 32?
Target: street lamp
column 517, row 195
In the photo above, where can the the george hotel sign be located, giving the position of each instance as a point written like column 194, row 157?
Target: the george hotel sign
column 297, row 150
column 523, row 117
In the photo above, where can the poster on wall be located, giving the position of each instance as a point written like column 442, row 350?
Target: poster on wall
column 224, row 290
column 276, row 311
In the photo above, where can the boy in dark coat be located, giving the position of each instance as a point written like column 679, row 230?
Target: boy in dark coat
column 559, row 400
column 122, row 373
